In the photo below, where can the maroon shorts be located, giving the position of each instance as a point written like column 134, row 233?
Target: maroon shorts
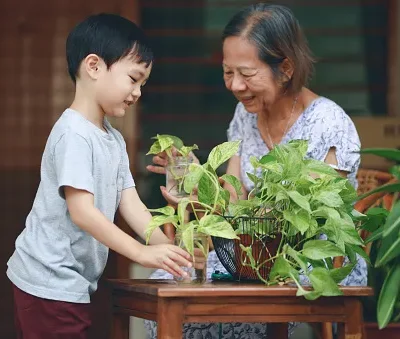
column 37, row 318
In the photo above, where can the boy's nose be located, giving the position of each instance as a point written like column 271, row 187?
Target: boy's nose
column 137, row 93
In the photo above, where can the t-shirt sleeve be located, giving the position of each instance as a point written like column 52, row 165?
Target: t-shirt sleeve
column 126, row 174
column 73, row 161
column 235, row 130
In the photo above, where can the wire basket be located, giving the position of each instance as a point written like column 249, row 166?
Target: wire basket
column 262, row 234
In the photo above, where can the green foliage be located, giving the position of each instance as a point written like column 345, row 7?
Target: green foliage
column 212, row 201
column 166, row 142
column 308, row 198
column 384, row 225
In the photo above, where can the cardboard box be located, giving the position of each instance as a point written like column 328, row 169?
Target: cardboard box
column 377, row 132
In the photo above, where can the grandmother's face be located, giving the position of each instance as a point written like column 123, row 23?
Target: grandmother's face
column 250, row 79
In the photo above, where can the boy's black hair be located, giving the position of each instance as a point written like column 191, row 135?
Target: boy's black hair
column 109, row 36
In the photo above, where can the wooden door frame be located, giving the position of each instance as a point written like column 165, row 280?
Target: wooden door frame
column 393, row 69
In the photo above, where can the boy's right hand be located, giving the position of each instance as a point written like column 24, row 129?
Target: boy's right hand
column 167, row 257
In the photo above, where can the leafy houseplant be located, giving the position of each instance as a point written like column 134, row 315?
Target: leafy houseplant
column 304, row 200
column 384, row 239
column 209, row 206
column 177, row 163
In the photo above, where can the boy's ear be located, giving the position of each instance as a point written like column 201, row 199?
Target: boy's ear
column 93, row 65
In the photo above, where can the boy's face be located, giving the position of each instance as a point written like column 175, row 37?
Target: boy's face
column 120, row 86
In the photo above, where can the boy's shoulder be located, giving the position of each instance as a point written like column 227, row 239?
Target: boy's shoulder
column 70, row 122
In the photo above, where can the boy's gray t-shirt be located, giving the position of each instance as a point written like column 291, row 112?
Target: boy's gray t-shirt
column 54, row 258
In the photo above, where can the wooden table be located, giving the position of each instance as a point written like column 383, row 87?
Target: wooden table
column 171, row 305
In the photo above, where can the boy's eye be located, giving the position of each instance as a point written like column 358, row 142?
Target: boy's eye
column 133, row 79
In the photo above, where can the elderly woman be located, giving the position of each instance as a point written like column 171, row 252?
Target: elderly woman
column 266, row 65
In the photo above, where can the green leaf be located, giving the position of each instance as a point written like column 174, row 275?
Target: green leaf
column 299, row 200
column 234, row 182
column 349, row 194
column 388, row 296
column 165, row 141
column 390, row 188
column 187, row 237
column 155, row 148
column 177, row 142
column 193, row 177
column 282, row 269
column 207, row 190
column 375, row 218
column 392, row 253
column 167, row 210
column 351, row 254
column 360, row 251
column 300, row 220
column 157, row 221
column 309, row 295
column 331, row 199
column 216, row 226
column 300, row 259
column 222, row 153
column 387, row 153
column 225, row 196
column 326, row 212
column 395, row 171
column 320, row 249
column 338, row 274
column 266, row 159
column 392, row 225
column 253, row 177
column 390, row 248
column 377, row 234
column 322, row 282
column 319, row 167
column 182, row 210
column 185, row 150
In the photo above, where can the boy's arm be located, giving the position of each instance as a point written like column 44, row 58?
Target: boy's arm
column 86, row 216
column 138, row 217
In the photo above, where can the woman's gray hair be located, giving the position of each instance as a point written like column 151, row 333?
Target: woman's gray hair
column 277, row 35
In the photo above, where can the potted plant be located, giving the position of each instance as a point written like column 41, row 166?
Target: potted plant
column 383, row 224
column 208, row 201
column 178, row 161
column 302, row 200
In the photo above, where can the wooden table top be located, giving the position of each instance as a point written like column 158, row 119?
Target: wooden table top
column 170, row 288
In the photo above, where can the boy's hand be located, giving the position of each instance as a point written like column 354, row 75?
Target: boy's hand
column 167, row 257
column 199, row 259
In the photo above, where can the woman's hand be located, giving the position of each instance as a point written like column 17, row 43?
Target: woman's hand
column 160, row 161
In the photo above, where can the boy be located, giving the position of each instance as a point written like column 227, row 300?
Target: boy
column 85, row 177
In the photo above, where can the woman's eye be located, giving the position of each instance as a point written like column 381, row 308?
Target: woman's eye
column 228, row 73
column 133, row 79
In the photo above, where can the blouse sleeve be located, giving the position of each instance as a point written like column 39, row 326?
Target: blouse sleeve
column 336, row 130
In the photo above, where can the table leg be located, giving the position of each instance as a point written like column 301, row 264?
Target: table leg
column 120, row 326
column 170, row 318
column 353, row 326
column 277, row 330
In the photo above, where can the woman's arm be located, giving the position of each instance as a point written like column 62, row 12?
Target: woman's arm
column 331, row 159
